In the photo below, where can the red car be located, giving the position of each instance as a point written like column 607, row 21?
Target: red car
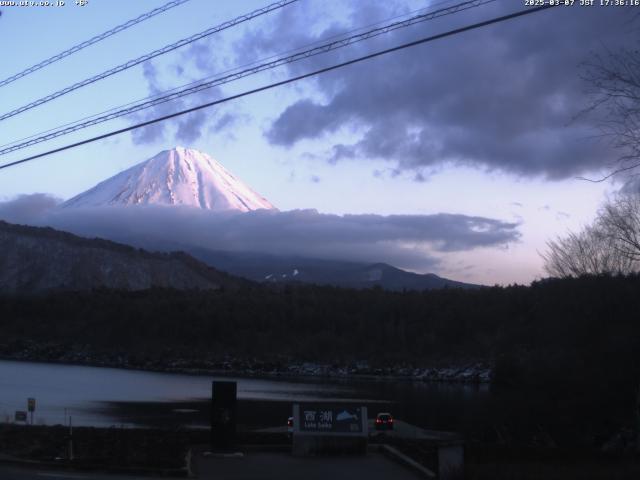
column 384, row 421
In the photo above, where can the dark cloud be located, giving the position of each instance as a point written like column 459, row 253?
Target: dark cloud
column 190, row 127
column 155, row 132
column 224, row 121
column 410, row 241
column 201, row 55
column 419, row 177
column 185, row 129
column 503, row 97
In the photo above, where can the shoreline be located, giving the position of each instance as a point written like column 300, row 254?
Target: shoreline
column 470, row 373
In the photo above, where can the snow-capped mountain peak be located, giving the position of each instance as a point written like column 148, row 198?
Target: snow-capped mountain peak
column 180, row 176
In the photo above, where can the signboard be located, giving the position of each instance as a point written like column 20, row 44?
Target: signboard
column 21, row 416
column 328, row 418
column 31, row 404
column 324, row 428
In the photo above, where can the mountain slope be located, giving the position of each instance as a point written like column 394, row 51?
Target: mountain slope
column 261, row 267
column 179, row 176
column 34, row 259
column 393, row 278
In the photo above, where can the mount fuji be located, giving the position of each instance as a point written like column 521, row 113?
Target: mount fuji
column 190, row 178
column 180, row 176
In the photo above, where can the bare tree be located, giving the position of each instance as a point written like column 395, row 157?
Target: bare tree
column 611, row 245
column 620, row 222
column 589, row 252
column 614, row 79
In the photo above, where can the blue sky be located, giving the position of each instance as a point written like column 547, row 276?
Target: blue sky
column 298, row 169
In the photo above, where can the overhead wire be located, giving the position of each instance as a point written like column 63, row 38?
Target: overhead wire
column 255, row 62
column 195, row 87
column 457, row 31
column 93, row 40
column 136, row 61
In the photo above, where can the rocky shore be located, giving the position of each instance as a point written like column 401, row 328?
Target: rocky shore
column 472, row 372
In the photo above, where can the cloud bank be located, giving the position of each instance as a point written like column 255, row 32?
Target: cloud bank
column 28, row 209
column 417, row 242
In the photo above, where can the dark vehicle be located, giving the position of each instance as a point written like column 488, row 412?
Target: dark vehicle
column 384, row 421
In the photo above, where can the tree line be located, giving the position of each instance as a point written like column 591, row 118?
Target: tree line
column 567, row 348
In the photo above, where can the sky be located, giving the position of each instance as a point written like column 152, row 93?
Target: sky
column 465, row 153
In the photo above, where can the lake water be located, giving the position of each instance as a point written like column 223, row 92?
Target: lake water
column 107, row 396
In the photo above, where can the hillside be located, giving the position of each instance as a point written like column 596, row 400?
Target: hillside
column 274, row 269
column 34, row 259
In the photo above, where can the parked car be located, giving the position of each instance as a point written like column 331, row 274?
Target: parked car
column 384, row 421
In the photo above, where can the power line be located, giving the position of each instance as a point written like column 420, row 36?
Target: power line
column 23, row 141
column 149, row 56
column 92, row 40
column 449, row 33
column 197, row 87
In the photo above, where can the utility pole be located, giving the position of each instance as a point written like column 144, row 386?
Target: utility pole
column 31, row 407
column 70, row 438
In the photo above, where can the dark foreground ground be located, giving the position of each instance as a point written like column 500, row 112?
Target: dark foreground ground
column 283, row 466
column 485, row 462
column 22, row 473
column 149, row 453
column 117, row 449
column 264, row 466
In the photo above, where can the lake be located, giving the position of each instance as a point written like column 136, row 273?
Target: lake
column 96, row 396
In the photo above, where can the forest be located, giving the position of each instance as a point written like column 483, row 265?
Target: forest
column 564, row 349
